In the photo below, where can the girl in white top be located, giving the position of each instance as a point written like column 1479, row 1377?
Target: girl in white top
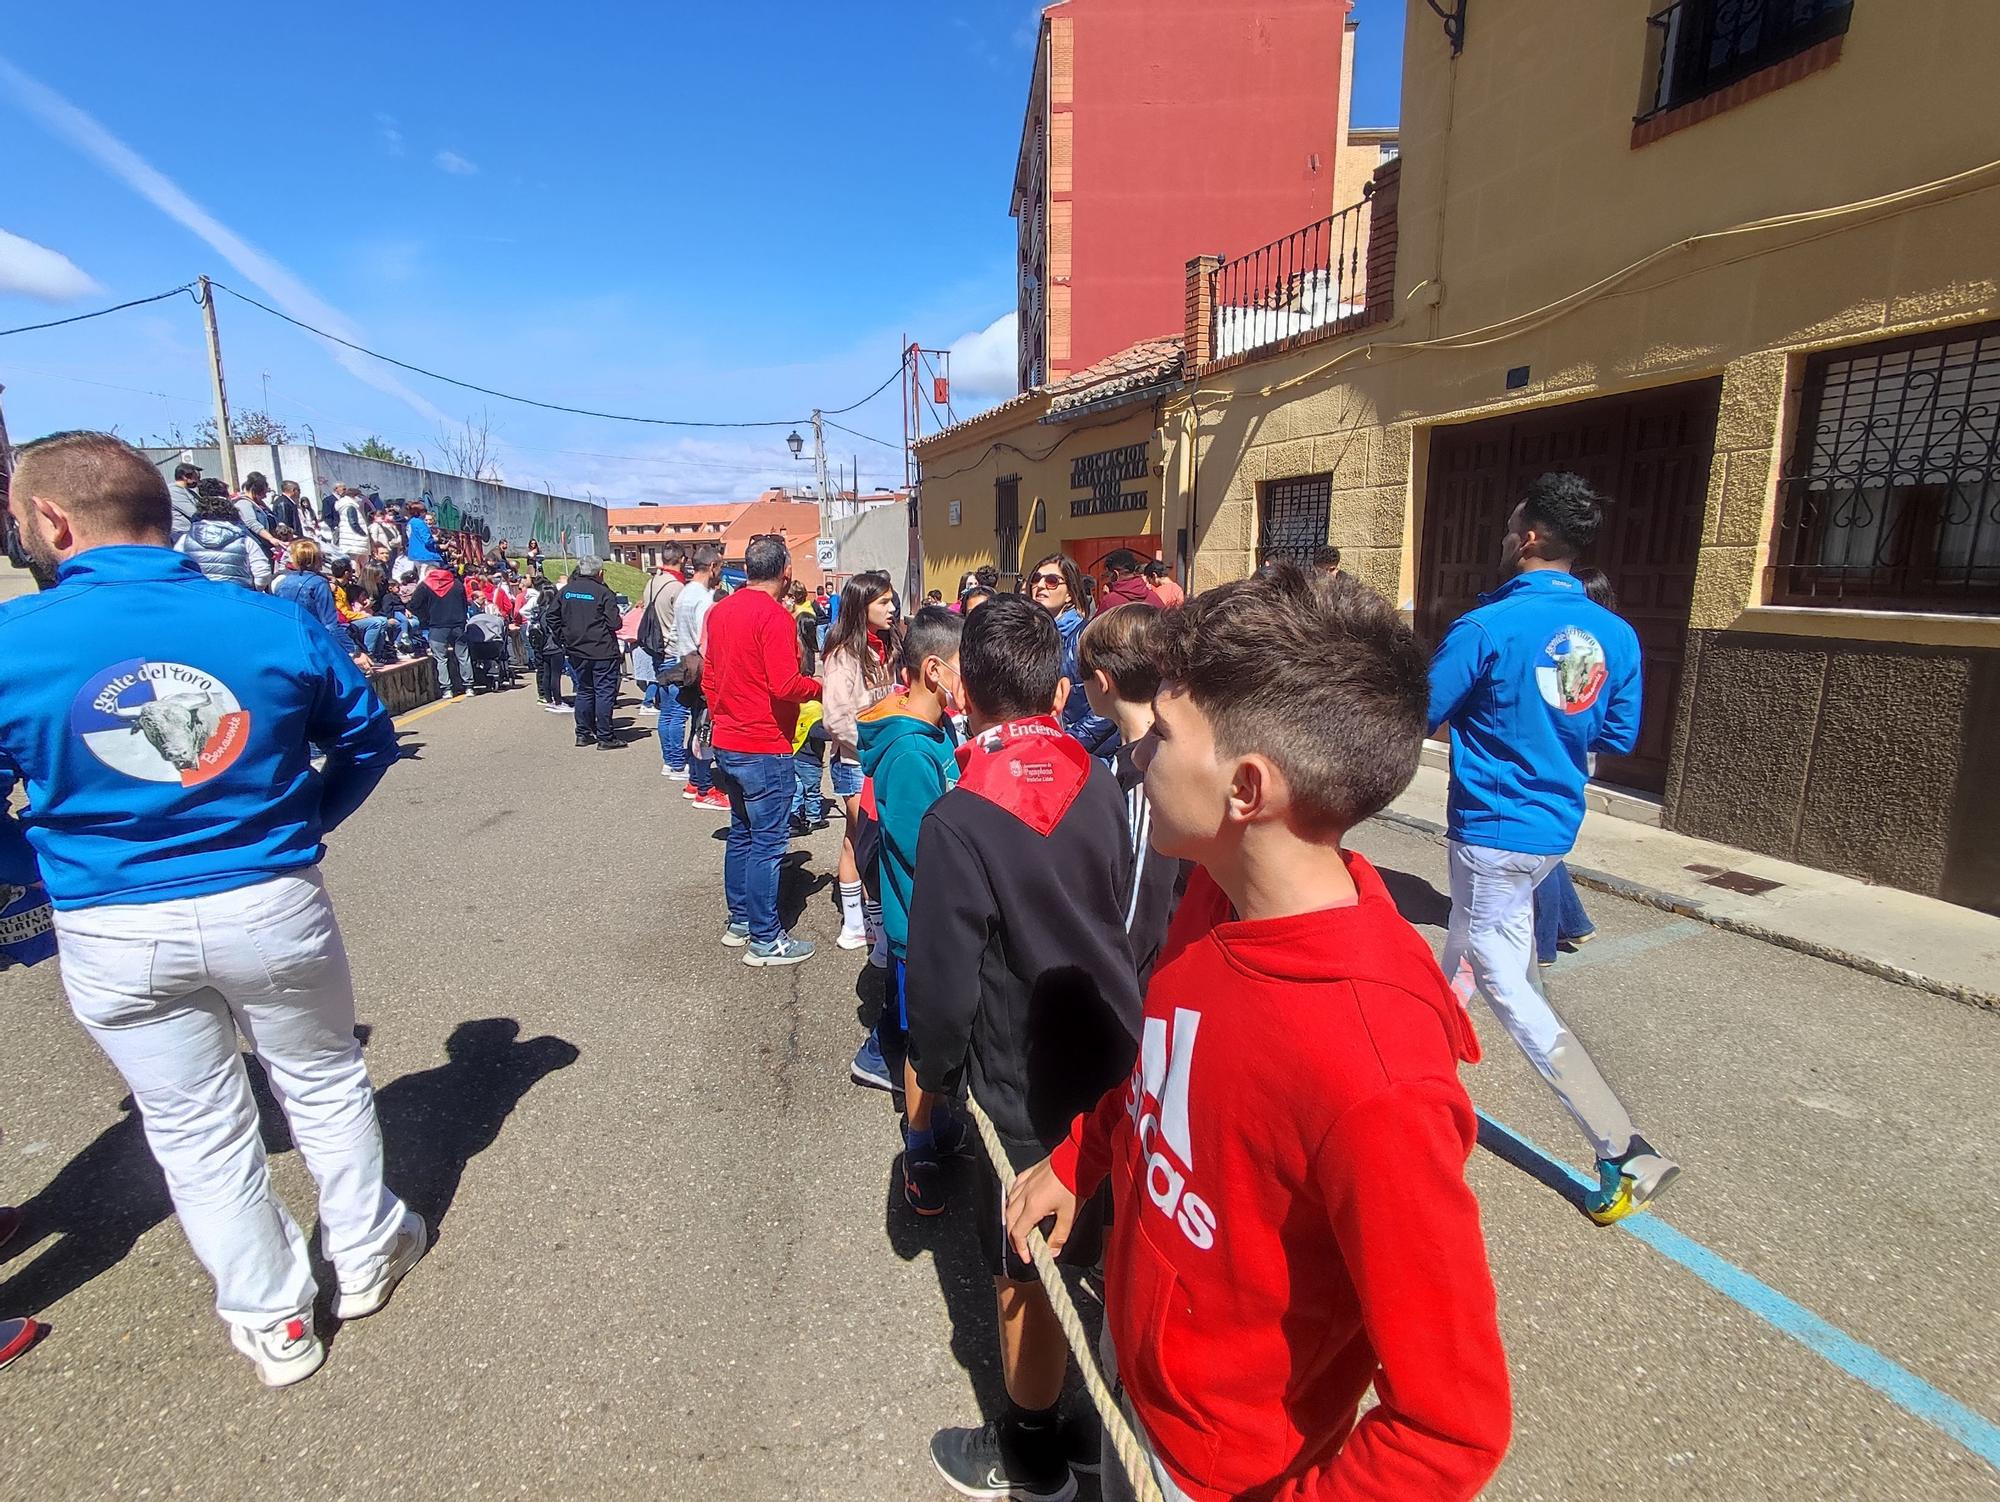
column 855, row 673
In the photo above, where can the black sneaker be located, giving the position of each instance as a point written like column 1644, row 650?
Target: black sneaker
column 923, row 1184
column 950, row 1131
column 801, row 826
column 586, row 742
column 985, row 1462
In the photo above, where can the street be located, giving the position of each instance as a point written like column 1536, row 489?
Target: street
column 672, row 1261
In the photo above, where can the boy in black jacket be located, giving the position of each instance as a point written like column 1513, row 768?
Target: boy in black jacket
column 1018, row 947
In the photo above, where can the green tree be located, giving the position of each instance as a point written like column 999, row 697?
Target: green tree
column 246, row 425
column 372, row 447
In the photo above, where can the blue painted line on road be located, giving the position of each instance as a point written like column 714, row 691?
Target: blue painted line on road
column 1860, row 1361
column 1626, row 946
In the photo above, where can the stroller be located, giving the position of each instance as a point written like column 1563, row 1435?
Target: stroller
column 486, row 643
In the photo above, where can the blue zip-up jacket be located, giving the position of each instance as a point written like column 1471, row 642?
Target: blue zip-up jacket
column 163, row 726
column 423, row 546
column 312, row 594
column 1533, row 681
column 1099, row 735
column 912, row 763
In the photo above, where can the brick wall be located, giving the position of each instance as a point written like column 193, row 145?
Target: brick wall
column 1380, row 299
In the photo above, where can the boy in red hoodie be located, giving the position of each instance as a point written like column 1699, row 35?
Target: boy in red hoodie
column 1287, row 1160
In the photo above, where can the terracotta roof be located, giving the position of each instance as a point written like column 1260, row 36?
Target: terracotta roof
column 1147, row 363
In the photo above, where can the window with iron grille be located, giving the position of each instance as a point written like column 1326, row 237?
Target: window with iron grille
column 1701, row 46
column 1891, row 497
column 1292, row 518
column 1007, row 517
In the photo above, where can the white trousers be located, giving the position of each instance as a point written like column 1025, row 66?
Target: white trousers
column 164, row 988
column 1490, row 947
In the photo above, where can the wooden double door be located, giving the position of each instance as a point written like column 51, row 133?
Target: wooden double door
column 1650, row 454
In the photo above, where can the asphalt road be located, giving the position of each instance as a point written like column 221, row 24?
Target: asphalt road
column 670, row 1263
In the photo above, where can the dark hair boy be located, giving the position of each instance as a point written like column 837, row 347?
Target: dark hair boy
column 1025, row 986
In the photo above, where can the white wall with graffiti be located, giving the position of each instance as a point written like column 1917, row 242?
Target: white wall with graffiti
column 559, row 523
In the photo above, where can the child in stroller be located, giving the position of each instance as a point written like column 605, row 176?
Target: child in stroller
column 486, row 640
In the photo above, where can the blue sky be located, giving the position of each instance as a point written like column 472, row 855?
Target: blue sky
column 711, row 212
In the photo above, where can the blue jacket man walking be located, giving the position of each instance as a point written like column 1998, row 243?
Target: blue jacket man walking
column 163, row 728
column 1534, row 682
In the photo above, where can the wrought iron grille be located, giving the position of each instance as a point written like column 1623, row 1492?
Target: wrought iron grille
column 1313, row 277
column 1891, row 497
column 1292, row 521
column 1704, row 45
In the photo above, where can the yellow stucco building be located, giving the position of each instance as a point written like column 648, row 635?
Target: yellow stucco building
column 1739, row 264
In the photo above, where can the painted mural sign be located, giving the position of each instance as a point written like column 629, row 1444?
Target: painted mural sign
column 1105, row 475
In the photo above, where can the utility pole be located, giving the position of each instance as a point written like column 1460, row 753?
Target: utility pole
column 222, row 434
column 825, row 485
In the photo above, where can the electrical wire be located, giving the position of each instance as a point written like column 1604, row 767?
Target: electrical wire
column 137, row 302
column 528, row 401
column 999, row 446
column 852, row 433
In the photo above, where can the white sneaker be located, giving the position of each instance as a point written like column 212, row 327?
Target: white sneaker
column 647, row 709
column 284, row 1354
column 413, row 1239
column 852, row 940
column 668, row 772
column 447, row 696
column 554, row 708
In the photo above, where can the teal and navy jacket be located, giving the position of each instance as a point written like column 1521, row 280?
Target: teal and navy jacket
column 163, row 728
column 1534, row 680
column 912, row 763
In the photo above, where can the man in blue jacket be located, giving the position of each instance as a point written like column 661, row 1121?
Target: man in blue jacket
column 1534, row 682
column 163, row 728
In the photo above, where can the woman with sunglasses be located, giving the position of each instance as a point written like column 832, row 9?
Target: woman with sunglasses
column 856, row 671
column 1056, row 585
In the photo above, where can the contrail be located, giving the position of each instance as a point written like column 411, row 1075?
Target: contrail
column 285, row 289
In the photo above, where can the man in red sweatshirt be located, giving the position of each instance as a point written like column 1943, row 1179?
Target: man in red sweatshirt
column 1287, row 1160
column 750, row 673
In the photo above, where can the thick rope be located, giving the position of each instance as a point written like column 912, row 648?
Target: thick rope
column 1131, row 1451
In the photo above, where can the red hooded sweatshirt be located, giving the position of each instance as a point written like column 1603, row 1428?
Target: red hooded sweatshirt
column 1293, row 1223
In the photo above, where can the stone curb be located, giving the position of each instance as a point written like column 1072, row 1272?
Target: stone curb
column 1685, row 907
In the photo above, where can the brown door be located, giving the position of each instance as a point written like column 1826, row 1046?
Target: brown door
column 1651, row 454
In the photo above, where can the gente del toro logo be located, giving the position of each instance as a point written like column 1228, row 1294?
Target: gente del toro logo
column 160, row 722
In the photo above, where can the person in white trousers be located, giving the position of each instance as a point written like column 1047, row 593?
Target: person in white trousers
column 174, row 813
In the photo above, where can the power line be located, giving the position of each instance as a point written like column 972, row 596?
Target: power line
column 137, row 302
column 866, row 438
column 528, row 401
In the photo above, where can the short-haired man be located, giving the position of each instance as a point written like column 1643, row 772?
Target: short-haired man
column 1164, row 584
column 588, row 615
column 663, row 594
column 289, row 509
column 185, row 496
column 751, row 675
column 174, row 814
column 690, row 621
column 1534, row 681
column 1125, row 581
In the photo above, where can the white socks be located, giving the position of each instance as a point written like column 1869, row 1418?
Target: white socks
column 853, row 913
column 871, row 914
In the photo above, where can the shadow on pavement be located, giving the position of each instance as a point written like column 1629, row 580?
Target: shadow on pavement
column 962, row 1276
column 1543, row 1170
column 1416, row 899
column 434, row 1122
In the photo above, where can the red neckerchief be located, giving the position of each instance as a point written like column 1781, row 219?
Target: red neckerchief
column 1032, row 768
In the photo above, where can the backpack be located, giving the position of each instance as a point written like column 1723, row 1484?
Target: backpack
column 651, row 639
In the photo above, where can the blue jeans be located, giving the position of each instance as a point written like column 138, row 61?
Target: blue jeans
column 760, row 788
column 369, row 630
column 673, row 728
column 1559, row 914
column 809, row 798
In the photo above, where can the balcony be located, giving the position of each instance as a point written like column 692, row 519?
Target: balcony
column 1329, row 278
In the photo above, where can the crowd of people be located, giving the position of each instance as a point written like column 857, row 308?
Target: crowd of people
column 1093, row 837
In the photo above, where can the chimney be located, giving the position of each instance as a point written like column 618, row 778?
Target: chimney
column 1201, row 310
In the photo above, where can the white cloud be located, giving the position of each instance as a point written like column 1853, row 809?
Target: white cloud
column 985, row 365
column 456, row 165
column 389, row 132
column 280, row 285
column 31, row 270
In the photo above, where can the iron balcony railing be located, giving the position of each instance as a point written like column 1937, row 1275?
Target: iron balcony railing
column 1700, row 46
column 1312, row 278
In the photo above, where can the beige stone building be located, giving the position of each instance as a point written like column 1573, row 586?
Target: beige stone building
column 1735, row 262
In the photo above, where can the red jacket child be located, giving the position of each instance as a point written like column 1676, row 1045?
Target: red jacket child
column 1292, row 1218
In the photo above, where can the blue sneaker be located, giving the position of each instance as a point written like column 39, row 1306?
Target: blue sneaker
column 783, row 950
column 1628, row 1184
column 736, row 936
column 869, row 1068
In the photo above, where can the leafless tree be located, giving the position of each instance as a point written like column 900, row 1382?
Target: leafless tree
column 469, row 451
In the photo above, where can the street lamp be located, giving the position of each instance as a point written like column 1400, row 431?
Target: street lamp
column 795, row 443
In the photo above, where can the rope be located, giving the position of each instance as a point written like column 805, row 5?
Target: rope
column 1131, row 1451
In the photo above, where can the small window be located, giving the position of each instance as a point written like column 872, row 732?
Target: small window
column 1699, row 47
column 1293, row 519
column 1891, row 497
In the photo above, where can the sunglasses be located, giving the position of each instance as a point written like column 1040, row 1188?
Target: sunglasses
column 1050, row 581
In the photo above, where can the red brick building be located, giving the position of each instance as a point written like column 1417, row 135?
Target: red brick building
column 1157, row 130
